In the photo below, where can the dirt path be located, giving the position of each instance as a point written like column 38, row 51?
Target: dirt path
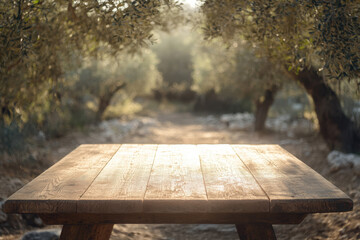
column 184, row 128
column 188, row 128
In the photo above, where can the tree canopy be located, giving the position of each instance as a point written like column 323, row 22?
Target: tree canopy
column 317, row 40
column 325, row 34
column 235, row 72
column 41, row 39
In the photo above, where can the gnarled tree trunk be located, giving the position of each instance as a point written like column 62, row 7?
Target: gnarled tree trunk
column 338, row 131
column 263, row 105
column 105, row 99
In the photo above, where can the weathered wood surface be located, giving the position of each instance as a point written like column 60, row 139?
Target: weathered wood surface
column 121, row 185
column 173, row 218
column 178, row 179
column 60, row 187
column 176, row 183
column 230, row 186
column 291, row 185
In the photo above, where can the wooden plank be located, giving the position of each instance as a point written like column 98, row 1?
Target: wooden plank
column 258, row 231
column 59, row 187
column 176, row 183
column 291, row 185
column 121, row 186
column 230, row 186
column 86, row 232
column 173, row 218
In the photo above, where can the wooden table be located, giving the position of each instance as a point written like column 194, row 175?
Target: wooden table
column 252, row 186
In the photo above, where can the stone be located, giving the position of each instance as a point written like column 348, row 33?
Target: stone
column 3, row 216
column 238, row 121
column 339, row 160
column 33, row 220
column 148, row 122
column 48, row 234
column 41, row 138
column 227, row 118
column 114, row 130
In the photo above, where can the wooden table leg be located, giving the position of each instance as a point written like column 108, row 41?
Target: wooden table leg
column 86, row 232
column 260, row 231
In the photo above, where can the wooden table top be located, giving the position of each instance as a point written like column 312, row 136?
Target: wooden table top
column 143, row 178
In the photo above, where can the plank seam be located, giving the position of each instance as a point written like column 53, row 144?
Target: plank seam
column 97, row 176
column 147, row 183
column 252, row 176
column 202, row 172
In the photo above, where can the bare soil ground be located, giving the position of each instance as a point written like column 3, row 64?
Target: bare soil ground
column 188, row 128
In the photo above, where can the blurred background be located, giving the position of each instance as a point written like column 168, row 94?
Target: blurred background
column 75, row 72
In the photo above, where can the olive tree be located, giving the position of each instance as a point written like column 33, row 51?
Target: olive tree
column 39, row 41
column 316, row 40
column 104, row 77
column 236, row 73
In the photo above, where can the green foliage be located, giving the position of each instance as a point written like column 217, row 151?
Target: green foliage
column 298, row 33
column 42, row 42
column 235, row 72
column 81, row 91
column 41, row 39
column 99, row 76
column 174, row 52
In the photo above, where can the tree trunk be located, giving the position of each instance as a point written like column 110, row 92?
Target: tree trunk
column 104, row 101
column 263, row 105
column 338, row 131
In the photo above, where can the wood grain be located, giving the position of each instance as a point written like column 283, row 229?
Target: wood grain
column 230, row 186
column 59, row 187
column 291, row 185
column 172, row 179
column 173, row 218
column 86, row 232
column 176, row 183
column 259, row 231
column 120, row 187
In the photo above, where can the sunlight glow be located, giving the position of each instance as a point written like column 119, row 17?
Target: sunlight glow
column 191, row 3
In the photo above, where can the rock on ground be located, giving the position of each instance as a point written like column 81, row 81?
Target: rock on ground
column 339, row 160
column 282, row 123
column 238, row 121
column 114, row 130
column 48, row 234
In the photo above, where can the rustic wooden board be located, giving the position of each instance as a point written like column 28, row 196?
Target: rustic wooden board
column 230, row 186
column 86, row 231
column 176, row 183
column 291, row 185
column 173, row 218
column 59, row 187
column 178, row 179
column 121, row 185
column 255, row 231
